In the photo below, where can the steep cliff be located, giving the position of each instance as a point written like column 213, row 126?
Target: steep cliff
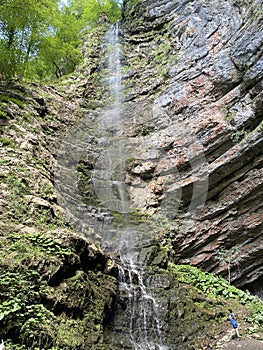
column 194, row 91
column 56, row 288
column 191, row 136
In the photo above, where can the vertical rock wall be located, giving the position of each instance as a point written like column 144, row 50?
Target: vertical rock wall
column 194, row 90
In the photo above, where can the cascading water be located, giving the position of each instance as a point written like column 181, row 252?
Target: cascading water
column 142, row 309
column 108, row 178
column 142, row 314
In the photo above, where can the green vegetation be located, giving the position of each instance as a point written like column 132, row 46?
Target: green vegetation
column 20, row 301
column 49, row 301
column 208, row 283
column 47, row 192
column 134, row 218
column 23, row 288
column 226, row 256
column 18, row 188
column 19, row 208
column 44, row 41
column 241, row 136
column 6, row 142
column 162, row 52
column 18, row 250
column 37, row 311
column 7, row 99
column 145, row 130
column 238, row 136
column 217, row 288
column 41, row 243
column 131, row 7
column 85, row 187
column 3, row 114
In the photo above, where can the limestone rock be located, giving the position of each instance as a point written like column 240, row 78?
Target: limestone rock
column 206, row 60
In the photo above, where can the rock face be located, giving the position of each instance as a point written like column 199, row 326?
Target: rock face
column 190, row 140
column 194, row 95
column 50, row 275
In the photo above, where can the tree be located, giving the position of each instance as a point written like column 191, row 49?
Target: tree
column 42, row 39
column 60, row 51
column 90, row 10
column 23, row 24
column 227, row 256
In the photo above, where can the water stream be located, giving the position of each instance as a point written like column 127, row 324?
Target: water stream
column 143, row 310
column 109, row 174
column 142, row 314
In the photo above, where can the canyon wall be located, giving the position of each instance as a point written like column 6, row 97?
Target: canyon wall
column 194, row 95
column 192, row 135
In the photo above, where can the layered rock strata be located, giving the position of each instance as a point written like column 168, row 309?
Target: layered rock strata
column 194, row 95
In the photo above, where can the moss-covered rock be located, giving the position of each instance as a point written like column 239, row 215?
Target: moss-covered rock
column 57, row 289
column 192, row 309
column 55, row 292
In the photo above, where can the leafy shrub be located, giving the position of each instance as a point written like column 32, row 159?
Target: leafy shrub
column 209, row 283
column 215, row 287
column 42, row 243
column 257, row 316
column 18, row 292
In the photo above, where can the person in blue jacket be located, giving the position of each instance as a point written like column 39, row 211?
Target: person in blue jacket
column 232, row 319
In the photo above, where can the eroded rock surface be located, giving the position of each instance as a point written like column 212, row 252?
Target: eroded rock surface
column 199, row 66
column 191, row 136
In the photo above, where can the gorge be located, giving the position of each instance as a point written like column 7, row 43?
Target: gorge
column 123, row 177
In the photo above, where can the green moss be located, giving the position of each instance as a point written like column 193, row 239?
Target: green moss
column 5, row 162
column 6, row 142
column 18, row 188
column 229, row 115
column 145, row 130
column 85, row 187
column 131, row 6
column 238, row 135
column 133, row 218
column 8, row 99
column 18, row 250
column 19, row 208
column 47, row 192
column 219, row 290
column 161, row 54
column 3, row 114
column 241, row 136
column 67, row 315
column 38, row 242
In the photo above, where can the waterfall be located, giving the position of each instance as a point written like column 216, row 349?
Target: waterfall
column 109, row 174
column 114, row 77
column 142, row 316
column 112, row 80
column 143, row 309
